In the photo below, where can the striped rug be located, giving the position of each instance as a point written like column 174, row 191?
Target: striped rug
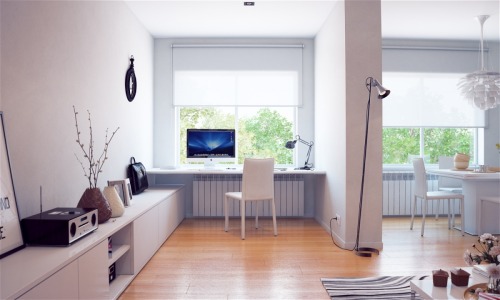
column 382, row 287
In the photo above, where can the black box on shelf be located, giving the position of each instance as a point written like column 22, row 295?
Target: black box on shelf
column 112, row 273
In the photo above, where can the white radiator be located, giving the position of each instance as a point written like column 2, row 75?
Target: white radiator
column 209, row 190
column 398, row 195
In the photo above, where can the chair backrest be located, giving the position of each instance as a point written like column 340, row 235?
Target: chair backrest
column 446, row 162
column 258, row 178
column 420, row 177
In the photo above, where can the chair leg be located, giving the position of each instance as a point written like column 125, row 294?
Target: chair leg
column 462, row 214
column 226, row 216
column 424, row 211
column 242, row 213
column 413, row 211
column 449, row 209
column 274, row 218
column 257, row 214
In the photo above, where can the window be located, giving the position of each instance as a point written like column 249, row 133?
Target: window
column 260, row 131
column 425, row 116
column 255, row 89
column 400, row 145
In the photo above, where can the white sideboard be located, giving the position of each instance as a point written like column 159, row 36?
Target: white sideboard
column 80, row 271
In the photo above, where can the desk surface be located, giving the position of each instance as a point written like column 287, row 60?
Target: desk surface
column 466, row 174
column 230, row 170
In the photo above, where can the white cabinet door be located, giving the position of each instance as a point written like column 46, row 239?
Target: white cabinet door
column 163, row 231
column 171, row 214
column 93, row 273
column 145, row 238
column 62, row 285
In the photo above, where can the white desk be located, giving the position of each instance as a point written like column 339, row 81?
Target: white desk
column 426, row 289
column 474, row 186
column 224, row 170
column 205, row 189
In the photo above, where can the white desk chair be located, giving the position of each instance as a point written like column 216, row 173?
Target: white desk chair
column 257, row 185
column 448, row 184
column 421, row 191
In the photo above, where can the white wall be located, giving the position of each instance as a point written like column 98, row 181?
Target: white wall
column 330, row 118
column 164, row 126
column 56, row 54
column 492, row 131
column 348, row 49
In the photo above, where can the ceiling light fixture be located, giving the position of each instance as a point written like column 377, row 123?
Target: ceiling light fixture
column 481, row 88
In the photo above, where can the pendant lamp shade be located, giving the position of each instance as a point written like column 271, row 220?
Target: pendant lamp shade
column 481, row 88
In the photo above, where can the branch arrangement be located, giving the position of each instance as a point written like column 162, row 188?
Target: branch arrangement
column 95, row 166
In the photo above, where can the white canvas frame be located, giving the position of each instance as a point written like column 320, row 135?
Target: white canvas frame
column 11, row 238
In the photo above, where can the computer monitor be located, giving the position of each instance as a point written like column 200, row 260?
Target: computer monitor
column 211, row 146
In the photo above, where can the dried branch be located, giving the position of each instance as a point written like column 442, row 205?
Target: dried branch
column 95, row 167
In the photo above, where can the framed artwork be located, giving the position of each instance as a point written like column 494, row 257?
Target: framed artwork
column 11, row 238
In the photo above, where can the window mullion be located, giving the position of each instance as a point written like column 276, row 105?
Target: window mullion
column 422, row 142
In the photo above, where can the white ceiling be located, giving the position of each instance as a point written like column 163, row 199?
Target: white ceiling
column 424, row 19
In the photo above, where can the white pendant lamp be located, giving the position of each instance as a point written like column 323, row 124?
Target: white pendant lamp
column 481, row 88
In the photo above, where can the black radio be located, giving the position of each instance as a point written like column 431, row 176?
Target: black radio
column 59, row 226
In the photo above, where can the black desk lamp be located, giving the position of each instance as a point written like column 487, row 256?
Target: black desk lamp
column 291, row 145
column 382, row 93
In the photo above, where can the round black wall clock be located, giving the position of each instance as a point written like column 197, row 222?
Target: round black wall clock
column 130, row 81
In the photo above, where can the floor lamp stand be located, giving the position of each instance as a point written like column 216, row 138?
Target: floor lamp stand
column 364, row 251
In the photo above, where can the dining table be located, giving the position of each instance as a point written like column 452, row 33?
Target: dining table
column 476, row 185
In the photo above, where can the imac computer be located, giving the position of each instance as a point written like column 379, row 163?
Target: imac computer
column 211, row 146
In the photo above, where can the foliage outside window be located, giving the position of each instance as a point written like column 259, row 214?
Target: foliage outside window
column 260, row 132
column 401, row 144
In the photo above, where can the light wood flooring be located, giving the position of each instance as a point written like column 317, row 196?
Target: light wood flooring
column 201, row 261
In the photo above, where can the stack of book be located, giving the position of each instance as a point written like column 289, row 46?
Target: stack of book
column 481, row 270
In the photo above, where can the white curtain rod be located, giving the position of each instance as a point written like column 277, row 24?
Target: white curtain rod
column 432, row 48
column 235, row 46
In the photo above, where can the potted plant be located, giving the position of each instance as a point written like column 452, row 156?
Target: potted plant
column 93, row 197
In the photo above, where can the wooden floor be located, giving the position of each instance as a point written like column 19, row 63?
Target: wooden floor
column 201, row 261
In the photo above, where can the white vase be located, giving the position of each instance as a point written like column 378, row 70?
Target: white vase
column 115, row 202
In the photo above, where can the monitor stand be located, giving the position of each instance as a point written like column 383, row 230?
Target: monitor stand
column 209, row 163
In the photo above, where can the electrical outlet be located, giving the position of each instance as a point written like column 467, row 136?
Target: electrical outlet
column 338, row 219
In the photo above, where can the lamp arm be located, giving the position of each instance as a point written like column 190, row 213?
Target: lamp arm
column 306, row 164
column 309, row 144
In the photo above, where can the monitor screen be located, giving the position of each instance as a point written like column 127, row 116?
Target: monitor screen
column 210, row 143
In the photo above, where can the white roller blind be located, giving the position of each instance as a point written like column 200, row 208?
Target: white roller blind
column 225, row 75
column 427, row 100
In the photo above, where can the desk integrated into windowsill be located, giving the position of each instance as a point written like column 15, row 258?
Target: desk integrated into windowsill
column 227, row 170
column 295, row 190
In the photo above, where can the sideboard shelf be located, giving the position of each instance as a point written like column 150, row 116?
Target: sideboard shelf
column 81, row 270
column 122, row 249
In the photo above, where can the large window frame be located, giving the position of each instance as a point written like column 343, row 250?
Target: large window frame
column 410, row 108
column 281, row 116
column 423, row 152
column 240, row 77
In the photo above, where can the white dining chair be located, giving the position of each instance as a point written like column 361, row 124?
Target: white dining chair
column 258, row 186
column 421, row 191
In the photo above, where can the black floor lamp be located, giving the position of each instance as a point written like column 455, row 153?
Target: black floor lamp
column 382, row 93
